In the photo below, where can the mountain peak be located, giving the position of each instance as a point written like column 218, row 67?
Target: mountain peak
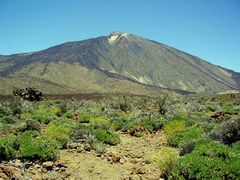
column 115, row 35
column 114, row 62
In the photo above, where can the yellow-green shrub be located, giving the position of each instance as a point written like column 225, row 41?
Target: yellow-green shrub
column 26, row 116
column 175, row 127
column 99, row 122
column 59, row 133
column 164, row 158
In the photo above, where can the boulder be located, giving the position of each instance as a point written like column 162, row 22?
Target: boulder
column 10, row 172
column 30, row 94
column 48, row 165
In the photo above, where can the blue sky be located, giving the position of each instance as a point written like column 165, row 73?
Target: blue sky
column 209, row 29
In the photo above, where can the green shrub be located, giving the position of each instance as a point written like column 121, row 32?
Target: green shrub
column 4, row 111
column 192, row 133
column 86, row 133
column 229, row 108
column 86, row 127
column 121, row 124
column 52, row 110
column 107, row 137
column 64, row 122
column 27, row 135
column 43, row 118
column 8, row 120
column 32, row 146
column 152, row 125
column 99, row 147
column 236, row 146
column 99, row 122
column 85, row 117
column 187, row 147
column 164, row 158
column 59, row 133
column 43, row 115
column 206, row 126
column 188, row 135
column 62, row 106
column 68, row 114
column 7, row 150
column 209, row 160
column 212, row 149
column 16, row 107
column 4, row 127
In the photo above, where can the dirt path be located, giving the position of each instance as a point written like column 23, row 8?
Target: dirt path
column 127, row 160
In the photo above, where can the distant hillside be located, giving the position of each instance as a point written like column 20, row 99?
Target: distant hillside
column 118, row 62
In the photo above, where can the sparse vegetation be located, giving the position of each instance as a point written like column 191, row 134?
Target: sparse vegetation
column 202, row 140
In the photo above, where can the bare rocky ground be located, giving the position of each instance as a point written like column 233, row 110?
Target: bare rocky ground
column 127, row 160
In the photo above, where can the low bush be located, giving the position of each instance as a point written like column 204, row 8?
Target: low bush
column 121, row 124
column 99, row 147
column 68, row 114
column 8, row 120
column 174, row 130
column 32, row 125
column 33, row 146
column 43, row 118
column 206, row 126
column 107, row 137
column 228, row 132
column 59, row 133
column 4, row 111
column 188, row 135
column 209, row 160
column 187, row 147
column 62, row 106
column 83, row 133
column 164, row 158
column 85, row 117
column 4, row 127
column 7, row 150
column 152, row 125
column 16, row 107
column 229, row 108
column 175, row 127
column 67, row 123
column 26, row 115
column 42, row 115
column 100, row 122
column 236, row 146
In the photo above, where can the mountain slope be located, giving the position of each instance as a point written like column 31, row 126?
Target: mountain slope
column 112, row 63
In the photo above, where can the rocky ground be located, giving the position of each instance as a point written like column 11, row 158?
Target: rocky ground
column 127, row 160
